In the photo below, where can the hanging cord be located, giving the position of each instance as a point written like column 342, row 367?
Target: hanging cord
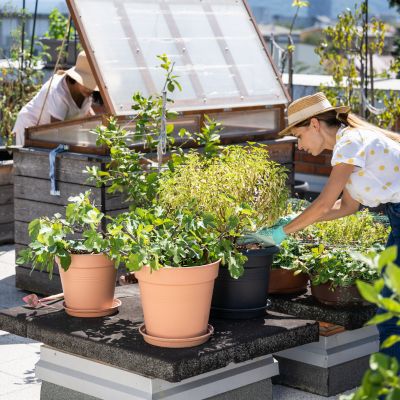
column 162, row 139
column 55, row 69
column 372, row 109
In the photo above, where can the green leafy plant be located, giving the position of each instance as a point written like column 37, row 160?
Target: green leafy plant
column 324, row 249
column 58, row 24
column 139, row 176
column 290, row 256
column 344, row 47
column 240, row 176
column 78, row 233
column 361, row 230
column 182, row 239
column 20, row 80
column 382, row 380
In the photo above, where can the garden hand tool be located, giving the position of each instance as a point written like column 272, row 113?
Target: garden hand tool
column 33, row 301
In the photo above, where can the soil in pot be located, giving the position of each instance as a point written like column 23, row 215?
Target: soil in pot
column 284, row 281
column 89, row 285
column 245, row 297
column 176, row 304
column 340, row 296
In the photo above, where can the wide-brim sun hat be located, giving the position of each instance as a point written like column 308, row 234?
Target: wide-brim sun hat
column 82, row 72
column 307, row 107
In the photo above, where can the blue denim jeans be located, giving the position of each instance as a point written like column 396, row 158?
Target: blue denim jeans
column 389, row 328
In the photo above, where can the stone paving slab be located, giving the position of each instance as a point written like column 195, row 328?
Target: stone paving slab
column 306, row 306
column 116, row 340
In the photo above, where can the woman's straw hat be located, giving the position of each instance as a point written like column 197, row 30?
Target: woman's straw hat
column 309, row 106
column 82, row 72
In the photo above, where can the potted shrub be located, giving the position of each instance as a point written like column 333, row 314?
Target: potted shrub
column 328, row 256
column 289, row 272
column 238, row 186
column 244, row 190
column 78, row 247
column 175, row 257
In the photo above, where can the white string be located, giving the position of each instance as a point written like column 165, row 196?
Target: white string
column 374, row 110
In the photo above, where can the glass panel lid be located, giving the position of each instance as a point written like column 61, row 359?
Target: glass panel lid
column 219, row 57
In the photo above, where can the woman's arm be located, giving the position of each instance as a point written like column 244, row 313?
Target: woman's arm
column 344, row 206
column 324, row 203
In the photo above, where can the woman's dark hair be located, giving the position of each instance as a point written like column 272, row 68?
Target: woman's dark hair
column 70, row 80
column 97, row 98
column 331, row 118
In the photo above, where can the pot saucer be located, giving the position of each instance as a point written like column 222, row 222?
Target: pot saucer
column 73, row 312
column 176, row 343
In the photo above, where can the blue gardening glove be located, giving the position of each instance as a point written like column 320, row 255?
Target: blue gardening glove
column 285, row 220
column 266, row 237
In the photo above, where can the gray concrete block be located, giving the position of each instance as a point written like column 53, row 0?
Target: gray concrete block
column 257, row 391
column 49, row 391
column 323, row 381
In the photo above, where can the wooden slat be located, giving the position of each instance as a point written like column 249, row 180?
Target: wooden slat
column 6, row 213
column 36, row 281
column 21, row 235
column 26, row 210
column 68, row 169
column 280, row 152
column 6, row 194
column 39, row 190
column 6, row 172
column 7, row 233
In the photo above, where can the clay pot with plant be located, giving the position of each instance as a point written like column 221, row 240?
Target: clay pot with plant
column 329, row 256
column 244, row 190
column 76, row 244
column 289, row 273
column 175, row 257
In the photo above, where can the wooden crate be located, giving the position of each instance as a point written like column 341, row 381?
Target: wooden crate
column 33, row 199
column 6, row 202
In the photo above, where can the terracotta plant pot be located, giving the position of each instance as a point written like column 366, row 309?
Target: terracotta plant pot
column 285, row 281
column 176, row 301
column 89, row 282
column 340, row 296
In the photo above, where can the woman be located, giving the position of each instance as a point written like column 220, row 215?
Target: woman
column 366, row 170
column 67, row 95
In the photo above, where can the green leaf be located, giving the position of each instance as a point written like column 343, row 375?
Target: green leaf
column 368, row 292
column 379, row 361
column 387, row 256
column 379, row 318
column 390, row 341
column 393, row 273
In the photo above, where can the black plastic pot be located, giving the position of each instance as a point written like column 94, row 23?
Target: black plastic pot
column 246, row 297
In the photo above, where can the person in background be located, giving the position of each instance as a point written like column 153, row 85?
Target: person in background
column 366, row 170
column 67, row 95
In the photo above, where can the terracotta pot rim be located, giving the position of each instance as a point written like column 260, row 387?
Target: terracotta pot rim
column 168, row 267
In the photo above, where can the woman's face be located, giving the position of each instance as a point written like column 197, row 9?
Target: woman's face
column 310, row 138
column 84, row 91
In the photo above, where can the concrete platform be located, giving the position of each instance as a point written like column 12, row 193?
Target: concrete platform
column 19, row 355
column 334, row 364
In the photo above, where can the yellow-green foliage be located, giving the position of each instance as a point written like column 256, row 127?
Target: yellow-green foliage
column 239, row 177
column 359, row 230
